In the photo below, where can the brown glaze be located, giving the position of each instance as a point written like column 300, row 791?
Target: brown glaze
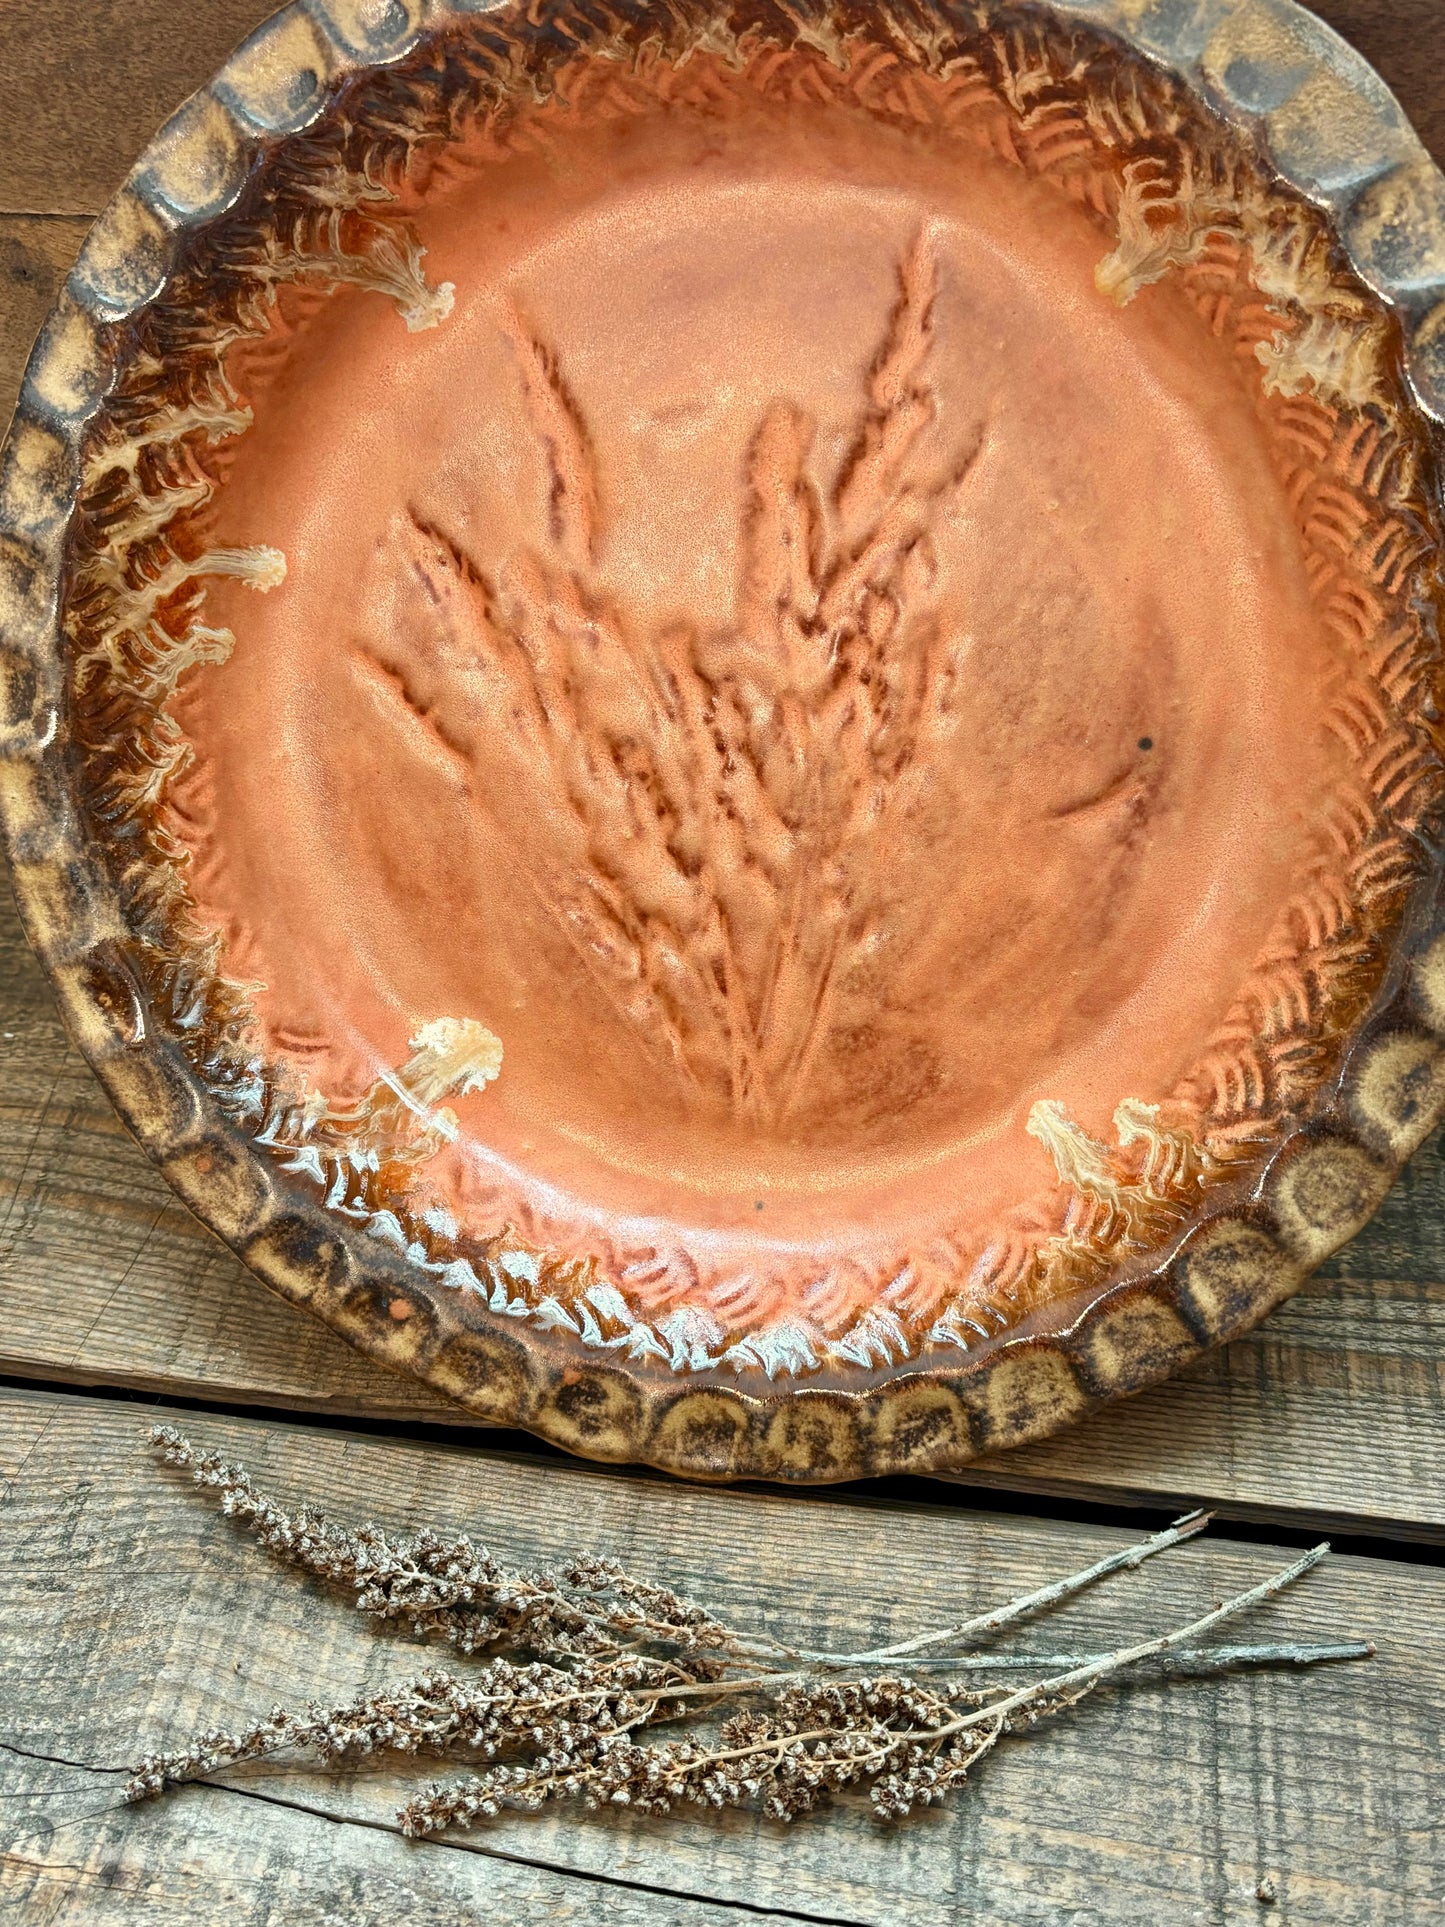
column 916, row 761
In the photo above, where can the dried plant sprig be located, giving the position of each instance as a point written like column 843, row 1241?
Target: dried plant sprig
column 1054, row 1594
column 445, row 1585
column 596, row 1654
column 909, row 1742
column 507, row 1705
column 1187, row 1663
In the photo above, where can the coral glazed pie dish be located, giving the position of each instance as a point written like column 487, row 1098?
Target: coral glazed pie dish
column 722, row 719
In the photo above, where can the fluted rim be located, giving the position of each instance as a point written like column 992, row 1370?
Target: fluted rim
column 1335, row 133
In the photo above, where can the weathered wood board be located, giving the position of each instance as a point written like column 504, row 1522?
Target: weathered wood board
column 83, row 88
column 1165, row 1802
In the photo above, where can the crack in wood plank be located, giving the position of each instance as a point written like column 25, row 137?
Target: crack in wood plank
column 455, row 1845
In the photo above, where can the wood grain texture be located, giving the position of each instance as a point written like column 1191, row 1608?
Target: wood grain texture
column 105, row 1274
column 85, row 87
column 131, row 1613
column 1336, row 1405
column 77, row 1861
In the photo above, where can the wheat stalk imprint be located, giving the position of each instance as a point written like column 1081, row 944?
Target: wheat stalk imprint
column 736, row 795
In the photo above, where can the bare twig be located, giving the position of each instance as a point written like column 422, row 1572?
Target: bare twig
column 1080, row 1679
column 1051, row 1595
column 1202, row 1659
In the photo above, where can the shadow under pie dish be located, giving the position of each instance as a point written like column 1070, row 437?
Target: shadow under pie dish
column 723, row 722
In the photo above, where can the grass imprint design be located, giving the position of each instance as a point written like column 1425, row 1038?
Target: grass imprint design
column 728, row 866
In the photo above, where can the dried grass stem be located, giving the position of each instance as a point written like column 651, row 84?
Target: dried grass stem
column 582, row 1658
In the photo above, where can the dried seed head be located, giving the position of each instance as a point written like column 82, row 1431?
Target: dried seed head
column 584, row 1660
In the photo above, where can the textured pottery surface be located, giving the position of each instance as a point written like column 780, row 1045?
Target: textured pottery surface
column 724, row 721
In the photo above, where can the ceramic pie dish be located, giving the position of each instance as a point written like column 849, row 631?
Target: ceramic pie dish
column 722, row 720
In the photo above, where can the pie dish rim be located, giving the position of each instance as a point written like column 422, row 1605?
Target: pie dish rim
column 1276, row 73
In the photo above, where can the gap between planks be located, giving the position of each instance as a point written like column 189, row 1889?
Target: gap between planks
column 1350, row 1534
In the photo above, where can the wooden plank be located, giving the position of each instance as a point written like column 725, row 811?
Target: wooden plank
column 1336, row 1405
column 131, row 1614
column 76, row 1860
column 83, row 88
column 105, row 1273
